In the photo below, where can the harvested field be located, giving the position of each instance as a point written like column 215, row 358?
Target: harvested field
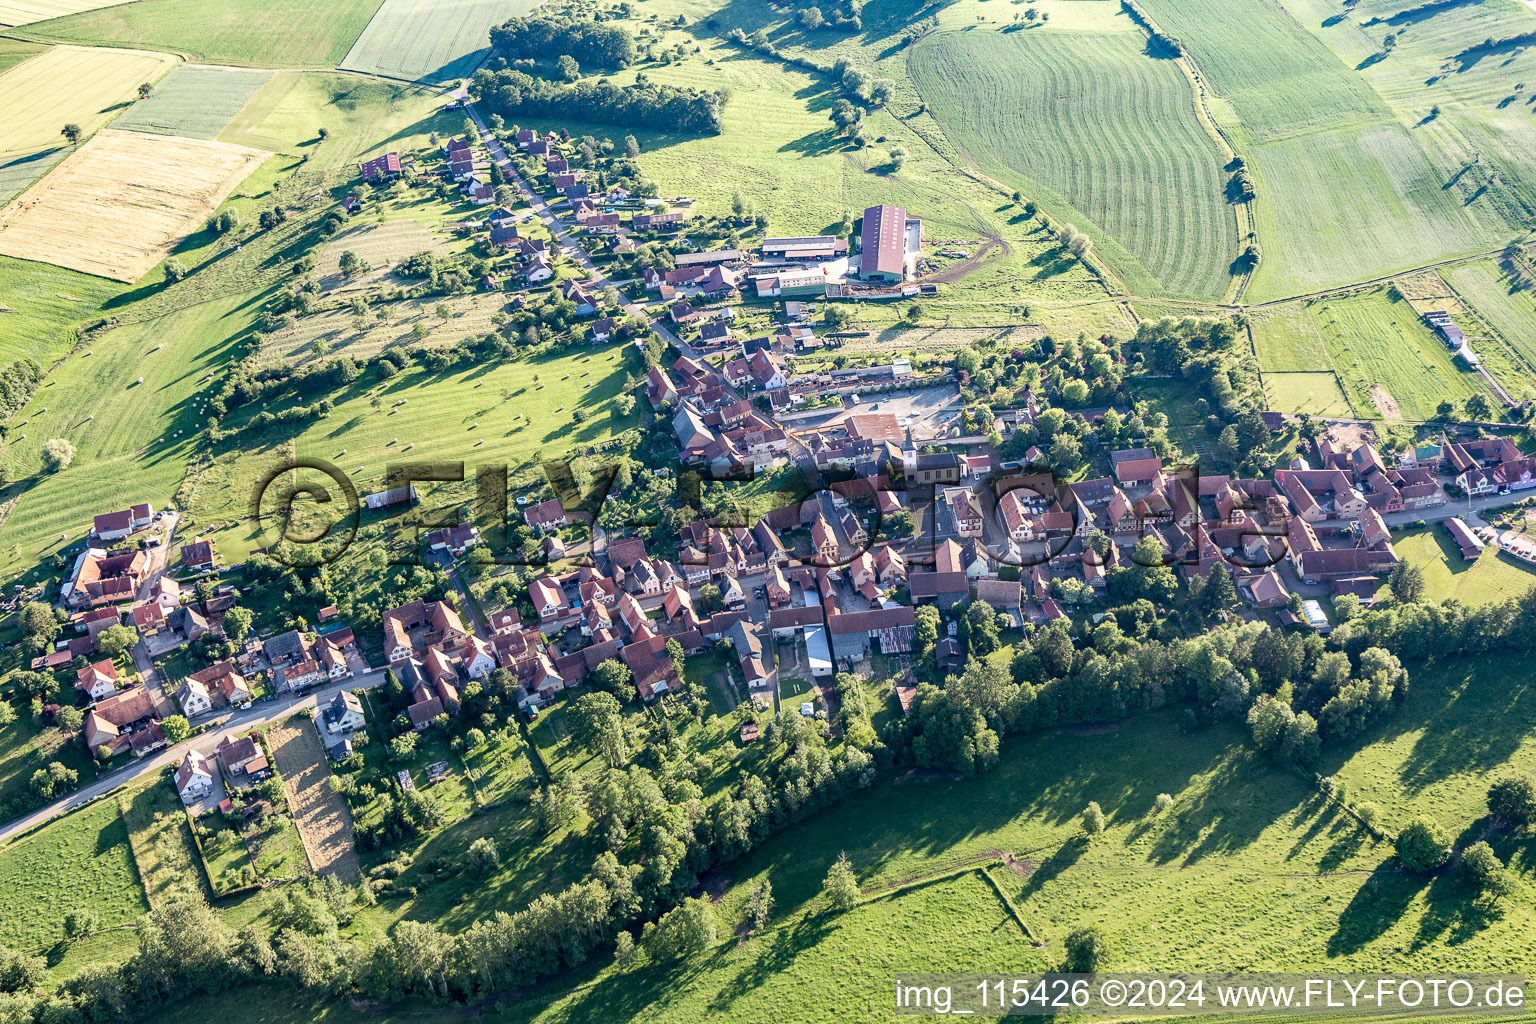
column 322, row 818
column 64, row 85
column 25, row 12
column 140, row 193
column 195, row 101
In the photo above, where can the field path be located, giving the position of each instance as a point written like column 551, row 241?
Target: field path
column 322, row 818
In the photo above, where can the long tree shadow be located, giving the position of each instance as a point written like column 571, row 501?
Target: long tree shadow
column 1065, row 856
column 1377, row 905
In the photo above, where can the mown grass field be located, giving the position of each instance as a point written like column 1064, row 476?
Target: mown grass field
column 64, row 85
column 161, row 839
column 264, row 33
column 1124, row 157
column 1372, row 339
column 1484, row 130
column 194, row 101
column 125, row 433
column 1491, row 577
column 1347, row 190
column 81, row 860
column 1495, row 294
column 430, row 40
column 483, row 415
column 1316, row 393
column 42, row 305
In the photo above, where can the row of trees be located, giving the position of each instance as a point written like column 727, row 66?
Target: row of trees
column 513, row 94
column 590, row 43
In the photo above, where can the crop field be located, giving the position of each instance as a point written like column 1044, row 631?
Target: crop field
column 137, row 437
column 141, row 193
column 1126, row 156
column 1299, row 392
column 261, row 33
column 14, row 51
column 64, row 85
column 194, row 101
column 25, row 12
column 321, row 816
column 161, row 840
column 1491, row 577
column 1500, row 299
column 82, row 860
column 1372, row 339
column 430, row 40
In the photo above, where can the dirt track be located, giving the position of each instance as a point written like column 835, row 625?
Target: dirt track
column 321, row 816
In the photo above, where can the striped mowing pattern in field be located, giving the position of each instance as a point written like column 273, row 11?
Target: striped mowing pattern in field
column 1373, row 339
column 1359, row 203
column 194, row 101
column 430, row 40
column 1091, row 119
column 1281, row 79
column 64, row 85
column 1501, row 300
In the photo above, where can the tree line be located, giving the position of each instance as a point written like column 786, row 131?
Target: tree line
column 588, row 43
column 513, row 94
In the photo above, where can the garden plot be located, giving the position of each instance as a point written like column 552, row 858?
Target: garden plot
column 321, row 815
column 117, row 206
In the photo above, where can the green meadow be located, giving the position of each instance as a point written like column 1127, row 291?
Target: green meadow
column 1501, row 298
column 262, row 33
column 1125, row 158
column 1492, row 576
column 81, row 860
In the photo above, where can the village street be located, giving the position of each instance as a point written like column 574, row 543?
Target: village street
column 225, row 724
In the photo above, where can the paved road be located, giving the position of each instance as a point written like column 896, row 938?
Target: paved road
column 228, row 724
column 558, row 230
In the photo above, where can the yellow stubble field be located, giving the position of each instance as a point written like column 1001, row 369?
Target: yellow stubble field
column 117, row 206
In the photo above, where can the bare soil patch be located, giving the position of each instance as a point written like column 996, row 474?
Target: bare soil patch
column 118, row 205
column 1385, row 403
column 321, row 816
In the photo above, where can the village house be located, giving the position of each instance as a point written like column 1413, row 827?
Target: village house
column 194, row 778
column 97, row 681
